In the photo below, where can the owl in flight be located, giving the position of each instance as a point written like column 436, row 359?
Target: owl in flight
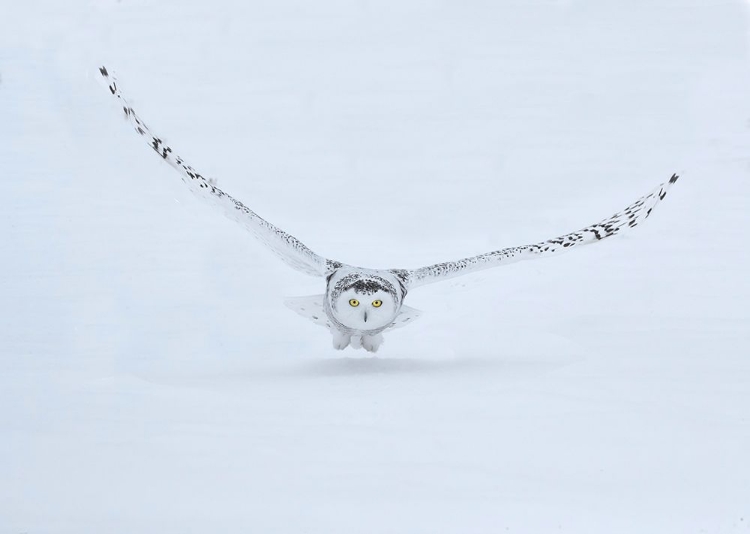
column 360, row 304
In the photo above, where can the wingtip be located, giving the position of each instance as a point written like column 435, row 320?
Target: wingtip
column 673, row 179
column 103, row 71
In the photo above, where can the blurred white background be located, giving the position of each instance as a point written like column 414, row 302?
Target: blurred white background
column 151, row 379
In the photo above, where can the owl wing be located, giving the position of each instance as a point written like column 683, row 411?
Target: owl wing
column 287, row 247
column 630, row 217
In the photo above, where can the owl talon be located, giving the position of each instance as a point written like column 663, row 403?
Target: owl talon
column 340, row 340
column 372, row 343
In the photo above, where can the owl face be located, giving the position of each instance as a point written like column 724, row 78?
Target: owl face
column 363, row 302
column 365, row 310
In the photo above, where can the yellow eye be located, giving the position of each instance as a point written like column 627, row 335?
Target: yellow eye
column 354, row 303
column 377, row 303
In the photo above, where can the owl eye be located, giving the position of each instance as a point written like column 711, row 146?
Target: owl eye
column 377, row 303
column 353, row 303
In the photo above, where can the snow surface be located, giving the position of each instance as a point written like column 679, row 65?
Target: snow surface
column 151, row 379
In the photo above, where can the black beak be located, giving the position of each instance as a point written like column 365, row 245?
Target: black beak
column 365, row 315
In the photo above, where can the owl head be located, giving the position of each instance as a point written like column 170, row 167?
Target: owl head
column 363, row 302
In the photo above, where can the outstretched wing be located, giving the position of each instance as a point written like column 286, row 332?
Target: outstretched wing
column 630, row 217
column 286, row 246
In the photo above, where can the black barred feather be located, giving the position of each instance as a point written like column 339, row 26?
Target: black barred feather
column 284, row 245
column 630, row 217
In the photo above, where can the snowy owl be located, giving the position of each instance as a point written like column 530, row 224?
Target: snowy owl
column 360, row 304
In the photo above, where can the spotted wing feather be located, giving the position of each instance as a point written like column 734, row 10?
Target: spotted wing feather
column 311, row 308
column 284, row 245
column 630, row 217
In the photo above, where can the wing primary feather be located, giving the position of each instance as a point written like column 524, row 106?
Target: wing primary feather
column 630, row 217
column 287, row 247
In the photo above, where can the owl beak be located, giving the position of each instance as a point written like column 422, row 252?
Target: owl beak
column 365, row 315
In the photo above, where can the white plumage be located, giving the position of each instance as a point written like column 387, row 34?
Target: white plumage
column 359, row 304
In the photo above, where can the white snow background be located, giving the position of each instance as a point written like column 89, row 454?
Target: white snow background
column 151, row 379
